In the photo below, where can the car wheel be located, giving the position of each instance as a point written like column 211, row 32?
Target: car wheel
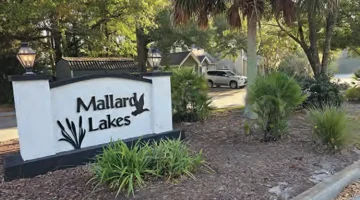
column 233, row 84
column 210, row 84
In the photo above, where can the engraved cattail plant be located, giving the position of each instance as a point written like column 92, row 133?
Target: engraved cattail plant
column 76, row 138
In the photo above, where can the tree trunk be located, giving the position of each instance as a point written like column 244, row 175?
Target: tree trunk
column 56, row 35
column 107, row 35
column 330, row 24
column 313, row 52
column 51, row 44
column 141, row 41
column 57, row 42
column 251, row 60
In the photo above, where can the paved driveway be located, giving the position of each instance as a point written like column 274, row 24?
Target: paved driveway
column 8, row 128
column 226, row 97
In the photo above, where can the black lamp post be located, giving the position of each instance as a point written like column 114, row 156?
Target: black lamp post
column 154, row 59
column 26, row 57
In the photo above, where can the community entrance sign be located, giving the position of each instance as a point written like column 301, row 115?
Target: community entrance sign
column 78, row 116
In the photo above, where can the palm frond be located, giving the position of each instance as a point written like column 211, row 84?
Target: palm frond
column 183, row 10
column 233, row 16
column 284, row 9
column 318, row 5
column 252, row 8
column 203, row 20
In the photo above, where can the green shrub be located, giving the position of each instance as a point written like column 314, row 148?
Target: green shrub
column 273, row 98
column 320, row 91
column 190, row 100
column 172, row 159
column 353, row 94
column 124, row 169
column 357, row 74
column 330, row 125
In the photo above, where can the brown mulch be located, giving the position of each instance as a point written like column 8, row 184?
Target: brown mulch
column 350, row 192
column 7, row 108
column 244, row 168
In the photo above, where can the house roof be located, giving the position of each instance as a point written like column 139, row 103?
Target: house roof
column 205, row 58
column 174, row 58
column 201, row 58
column 211, row 58
column 82, row 63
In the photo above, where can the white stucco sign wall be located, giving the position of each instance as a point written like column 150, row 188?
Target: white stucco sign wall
column 89, row 111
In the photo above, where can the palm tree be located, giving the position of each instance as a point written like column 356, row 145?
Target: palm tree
column 236, row 11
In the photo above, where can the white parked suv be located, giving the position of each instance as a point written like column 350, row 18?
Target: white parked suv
column 225, row 77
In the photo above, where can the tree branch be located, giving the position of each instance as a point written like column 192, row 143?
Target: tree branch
column 355, row 50
column 288, row 33
column 106, row 19
column 301, row 32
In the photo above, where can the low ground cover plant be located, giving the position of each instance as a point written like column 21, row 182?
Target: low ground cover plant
column 123, row 169
column 331, row 126
column 189, row 92
column 273, row 97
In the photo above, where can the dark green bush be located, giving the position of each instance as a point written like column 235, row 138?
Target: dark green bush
column 273, row 98
column 320, row 91
column 190, row 98
column 353, row 94
column 123, row 169
column 357, row 74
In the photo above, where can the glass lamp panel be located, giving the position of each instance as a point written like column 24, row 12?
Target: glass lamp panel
column 27, row 60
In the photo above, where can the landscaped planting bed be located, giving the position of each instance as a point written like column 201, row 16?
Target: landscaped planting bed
column 243, row 167
column 351, row 192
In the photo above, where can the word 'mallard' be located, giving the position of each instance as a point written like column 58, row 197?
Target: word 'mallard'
column 108, row 102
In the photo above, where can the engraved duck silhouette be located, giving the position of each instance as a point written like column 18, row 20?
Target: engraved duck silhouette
column 139, row 105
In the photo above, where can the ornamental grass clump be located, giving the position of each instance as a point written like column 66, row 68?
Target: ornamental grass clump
column 123, row 169
column 331, row 126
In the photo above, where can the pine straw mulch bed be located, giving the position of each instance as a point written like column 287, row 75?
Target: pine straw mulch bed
column 244, row 168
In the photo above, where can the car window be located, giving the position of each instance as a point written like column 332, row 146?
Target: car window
column 218, row 73
column 221, row 73
column 230, row 73
column 211, row 73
